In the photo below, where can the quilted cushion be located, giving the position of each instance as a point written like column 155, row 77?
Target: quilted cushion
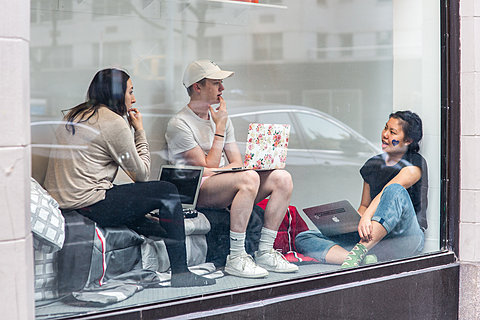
column 48, row 224
column 45, row 275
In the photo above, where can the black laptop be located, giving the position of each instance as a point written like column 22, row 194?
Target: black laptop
column 334, row 218
column 187, row 179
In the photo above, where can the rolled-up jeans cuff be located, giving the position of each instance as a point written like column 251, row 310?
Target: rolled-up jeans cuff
column 323, row 255
column 383, row 222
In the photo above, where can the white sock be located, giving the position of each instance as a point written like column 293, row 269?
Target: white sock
column 267, row 238
column 237, row 243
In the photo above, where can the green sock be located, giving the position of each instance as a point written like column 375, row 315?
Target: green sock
column 369, row 259
column 355, row 257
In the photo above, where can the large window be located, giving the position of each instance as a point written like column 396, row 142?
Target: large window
column 332, row 70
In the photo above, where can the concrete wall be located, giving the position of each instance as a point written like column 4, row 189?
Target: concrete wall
column 469, row 250
column 16, row 254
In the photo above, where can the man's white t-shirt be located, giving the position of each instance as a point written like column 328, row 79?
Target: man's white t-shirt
column 186, row 130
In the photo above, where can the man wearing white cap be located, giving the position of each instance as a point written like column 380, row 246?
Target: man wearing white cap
column 203, row 136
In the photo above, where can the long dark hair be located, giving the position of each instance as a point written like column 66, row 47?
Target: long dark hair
column 108, row 89
column 412, row 128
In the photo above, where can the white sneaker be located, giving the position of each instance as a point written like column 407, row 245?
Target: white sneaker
column 274, row 261
column 244, row 266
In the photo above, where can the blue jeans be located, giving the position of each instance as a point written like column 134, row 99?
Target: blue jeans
column 395, row 213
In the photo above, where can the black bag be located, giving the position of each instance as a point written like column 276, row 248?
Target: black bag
column 95, row 255
column 75, row 258
column 218, row 238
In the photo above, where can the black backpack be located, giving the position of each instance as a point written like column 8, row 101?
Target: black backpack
column 218, row 238
column 75, row 258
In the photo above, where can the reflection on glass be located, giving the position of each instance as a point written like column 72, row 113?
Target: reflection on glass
column 322, row 134
column 332, row 70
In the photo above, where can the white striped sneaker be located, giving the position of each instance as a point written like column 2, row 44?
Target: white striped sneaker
column 244, row 266
column 273, row 260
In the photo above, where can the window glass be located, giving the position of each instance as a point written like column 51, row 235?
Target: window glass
column 321, row 45
column 110, row 7
column 268, row 46
column 321, row 134
column 332, row 70
column 322, row 2
column 324, row 134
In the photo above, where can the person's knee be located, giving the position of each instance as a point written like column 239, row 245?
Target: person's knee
column 248, row 180
column 308, row 235
column 395, row 188
column 160, row 190
column 167, row 187
column 300, row 240
column 311, row 243
column 282, row 180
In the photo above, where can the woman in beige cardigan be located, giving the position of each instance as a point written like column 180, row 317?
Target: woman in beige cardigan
column 101, row 141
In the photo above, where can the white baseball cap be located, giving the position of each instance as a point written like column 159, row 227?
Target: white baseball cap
column 197, row 70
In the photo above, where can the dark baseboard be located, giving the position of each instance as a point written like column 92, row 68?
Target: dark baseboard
column 425, row 287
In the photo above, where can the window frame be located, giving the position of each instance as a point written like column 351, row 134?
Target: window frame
column 450, row 123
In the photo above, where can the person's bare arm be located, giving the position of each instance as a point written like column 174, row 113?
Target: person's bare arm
column 196, row 157
column 233, row 155
column 366, row 199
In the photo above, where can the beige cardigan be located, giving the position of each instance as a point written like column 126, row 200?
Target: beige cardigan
column 79, row 174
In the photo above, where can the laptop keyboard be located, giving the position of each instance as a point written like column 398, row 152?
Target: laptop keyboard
column 187, row 213
column 190, row 213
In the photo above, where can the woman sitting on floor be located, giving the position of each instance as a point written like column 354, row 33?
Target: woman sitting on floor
column 393, row 206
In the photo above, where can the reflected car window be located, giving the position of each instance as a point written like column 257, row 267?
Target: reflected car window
column 322, row 134
column 240, row 125
column 241, row 122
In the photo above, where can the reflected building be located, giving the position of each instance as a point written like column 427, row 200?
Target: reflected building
column 350, row 60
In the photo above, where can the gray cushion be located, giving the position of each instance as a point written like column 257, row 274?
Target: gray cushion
column 154, row 253
column 48, row 224
column 197, row 225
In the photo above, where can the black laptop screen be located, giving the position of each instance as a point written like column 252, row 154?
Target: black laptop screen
column 186, row 181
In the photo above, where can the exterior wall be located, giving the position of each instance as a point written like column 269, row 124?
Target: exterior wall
column 469, row 251
column 16, row 267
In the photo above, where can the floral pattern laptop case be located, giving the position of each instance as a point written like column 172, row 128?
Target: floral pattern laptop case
column 266, row 146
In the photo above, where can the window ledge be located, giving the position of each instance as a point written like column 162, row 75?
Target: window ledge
column 300, row 287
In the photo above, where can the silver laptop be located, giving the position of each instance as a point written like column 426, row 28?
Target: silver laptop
column 334, row 218
column 187, row 179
